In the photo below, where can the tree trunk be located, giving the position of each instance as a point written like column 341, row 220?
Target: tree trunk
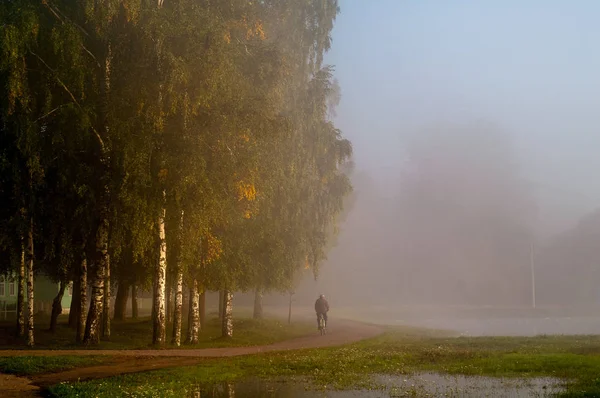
column 21, row 294
column 92, row 325
column 221, row 304
column 227, row 324
column 190, row 314
column 194, row 316
column 106, row 309
column 230, row 393
column 30, row 295
column 134, row 302
column 202, row 309
column 290, row 310
column 153, row 315
column 83, row 273
column 178, row 305
column 258, row 307
column 121, row 300
column 185, row 299
column 169, row 298
column 177, row 314
column 75, row 303
column 160, row 329
column 57, row 306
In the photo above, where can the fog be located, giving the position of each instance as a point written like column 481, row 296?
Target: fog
column 476, row 142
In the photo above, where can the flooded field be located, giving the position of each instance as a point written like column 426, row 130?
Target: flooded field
column 436, row 385
column 420, row 385
column 510, row 326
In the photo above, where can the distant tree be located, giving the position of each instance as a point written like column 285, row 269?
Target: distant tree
column 464, row 216
column 567, row 265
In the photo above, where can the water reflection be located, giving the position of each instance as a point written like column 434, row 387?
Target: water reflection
column 436, row 385
column 420, row 385
column 270, row 389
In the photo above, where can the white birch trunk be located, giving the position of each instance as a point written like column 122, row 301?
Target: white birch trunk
column 177, row 313
column 30, row 287
column 106, row 309
column 227, row 325
column 178, row 308
column 21, row 294
column 83, row 270
column 194, row 321
column 160, row 329
column 92, row 325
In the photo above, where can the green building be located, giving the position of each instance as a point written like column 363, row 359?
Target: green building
column 44, row 291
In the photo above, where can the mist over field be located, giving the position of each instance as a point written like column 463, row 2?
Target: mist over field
column 476, row 156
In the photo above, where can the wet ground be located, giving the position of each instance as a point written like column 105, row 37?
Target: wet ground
column 436, row 385
column 421, row 385
column 473, row 323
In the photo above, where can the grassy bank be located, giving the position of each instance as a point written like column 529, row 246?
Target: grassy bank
column 400, row 351
column 137, row 334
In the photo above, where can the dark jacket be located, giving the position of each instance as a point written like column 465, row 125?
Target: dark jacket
column 321, row 306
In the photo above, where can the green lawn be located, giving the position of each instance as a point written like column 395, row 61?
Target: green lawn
column 137, row 334
column 399, row 351
column 28, row 366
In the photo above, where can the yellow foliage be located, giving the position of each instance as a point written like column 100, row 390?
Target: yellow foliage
column 259, row 31
column 246, row 191
column 252, row 31
column 245, row 137
column 306, row 263
column 213, row 248
column 227, row 37
column 247, row 214
column 162, row 174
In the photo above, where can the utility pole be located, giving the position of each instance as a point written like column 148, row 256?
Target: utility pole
column 532, row 266
column 290, row 309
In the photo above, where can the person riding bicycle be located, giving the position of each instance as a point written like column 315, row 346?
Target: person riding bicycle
column 321, row 308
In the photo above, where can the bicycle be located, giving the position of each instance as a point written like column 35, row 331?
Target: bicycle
column 322, row 325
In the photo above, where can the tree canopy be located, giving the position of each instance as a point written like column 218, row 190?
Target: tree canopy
column 175, row 140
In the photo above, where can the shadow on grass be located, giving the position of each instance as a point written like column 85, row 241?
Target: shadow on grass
column 137, row 334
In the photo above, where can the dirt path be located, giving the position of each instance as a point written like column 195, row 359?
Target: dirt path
column 132, row 361
column 13, row 387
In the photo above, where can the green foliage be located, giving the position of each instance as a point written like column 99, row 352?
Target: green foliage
column 107, row 106
column 137, row 334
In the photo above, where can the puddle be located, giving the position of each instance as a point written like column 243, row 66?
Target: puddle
column 420, row 385
column 438, row 385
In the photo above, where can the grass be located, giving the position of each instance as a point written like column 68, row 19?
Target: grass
column 29, row 366
column 137, row 334
column 399, row 351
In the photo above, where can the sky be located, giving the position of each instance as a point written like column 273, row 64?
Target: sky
column 530, row 67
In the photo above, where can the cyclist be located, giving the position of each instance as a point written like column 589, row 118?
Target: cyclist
column 321, row 308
